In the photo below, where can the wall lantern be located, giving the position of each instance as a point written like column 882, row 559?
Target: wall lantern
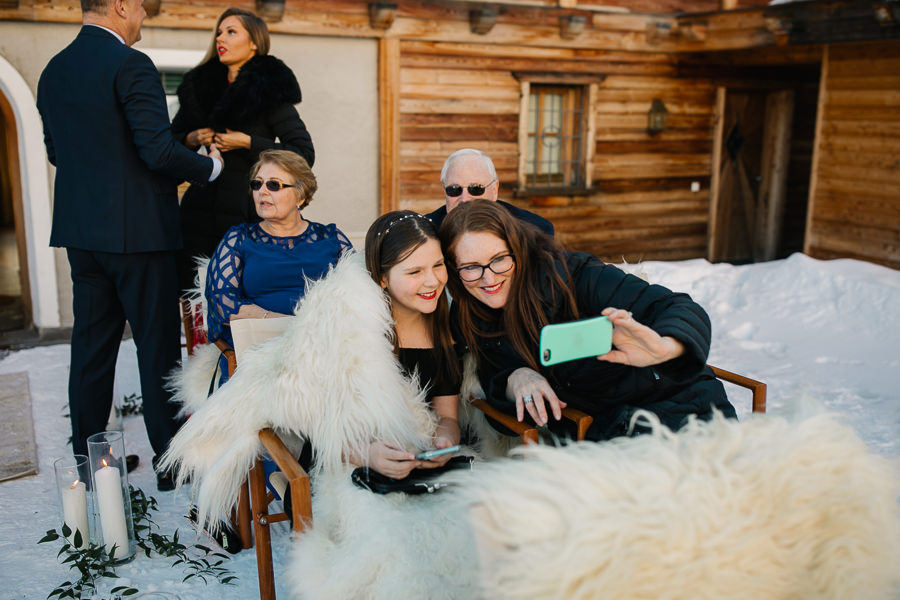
column 381, row 14
column 152, row 7
column 571, row 26
column 269, row 10
column 656, row 117
column 482, row 20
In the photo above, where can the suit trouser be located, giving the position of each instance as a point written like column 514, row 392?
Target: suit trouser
column 107, row 290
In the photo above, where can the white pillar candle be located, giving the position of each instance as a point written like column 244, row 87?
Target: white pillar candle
column 74, row 501
column 108, row 484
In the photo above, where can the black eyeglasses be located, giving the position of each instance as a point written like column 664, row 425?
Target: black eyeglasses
column 273, row 185
column 499, row 265
column 475, row 189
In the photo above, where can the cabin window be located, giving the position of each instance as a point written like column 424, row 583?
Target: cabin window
column 554, row 152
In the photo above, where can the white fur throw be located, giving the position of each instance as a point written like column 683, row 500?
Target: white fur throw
column 332, row 377
column 765, row 509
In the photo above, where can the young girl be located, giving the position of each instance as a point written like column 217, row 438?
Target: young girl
column 404, row 257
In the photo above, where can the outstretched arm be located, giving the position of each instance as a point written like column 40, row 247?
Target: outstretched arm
column 143, row 101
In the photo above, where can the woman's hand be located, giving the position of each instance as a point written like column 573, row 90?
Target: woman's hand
column 389, row 459
column 530, row 390
column 232, row 140
column 636, row 344
column 252, row 311
column 199, row 137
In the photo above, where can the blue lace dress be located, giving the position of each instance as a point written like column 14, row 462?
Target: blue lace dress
column 251, row 266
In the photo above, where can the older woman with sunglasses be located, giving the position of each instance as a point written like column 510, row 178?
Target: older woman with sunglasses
column 508, row 280
column 260, row 270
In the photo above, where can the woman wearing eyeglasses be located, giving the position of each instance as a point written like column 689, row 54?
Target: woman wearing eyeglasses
column 259, row 270
column 242, row 99
column 508, row 280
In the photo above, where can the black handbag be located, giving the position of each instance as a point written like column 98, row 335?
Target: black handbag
column 419, row 481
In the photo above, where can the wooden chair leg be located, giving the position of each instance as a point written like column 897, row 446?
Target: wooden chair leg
column 244, row 517
column 261, row 533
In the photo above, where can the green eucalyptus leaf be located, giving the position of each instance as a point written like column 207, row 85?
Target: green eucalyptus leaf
column 50, row 536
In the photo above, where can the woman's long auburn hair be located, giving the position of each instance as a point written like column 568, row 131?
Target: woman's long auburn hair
column 537, row 278
column 390, row 240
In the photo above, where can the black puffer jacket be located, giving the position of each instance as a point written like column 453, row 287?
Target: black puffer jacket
column 260, row 102
column 611, row 392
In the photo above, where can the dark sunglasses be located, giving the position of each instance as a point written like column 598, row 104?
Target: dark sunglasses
column 273, row 185
column 474, row 189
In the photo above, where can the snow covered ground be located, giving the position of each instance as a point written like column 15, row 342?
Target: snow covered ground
column 826, row 331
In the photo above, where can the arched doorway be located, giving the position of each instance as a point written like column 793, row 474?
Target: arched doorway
column 15, row 295
column 25, row 163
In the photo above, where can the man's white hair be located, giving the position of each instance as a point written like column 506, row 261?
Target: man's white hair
column 467, row 152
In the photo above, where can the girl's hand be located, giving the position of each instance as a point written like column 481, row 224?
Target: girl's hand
column 232, row 140
column 529, row 389
column 440, row 461
column 636, row 344
column 389, row 459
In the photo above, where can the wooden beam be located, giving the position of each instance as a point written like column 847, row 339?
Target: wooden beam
column 713, row 247
column 590, row 137
column 817, row 152
column 389, row 121
column 776, row 155
column 524, row 95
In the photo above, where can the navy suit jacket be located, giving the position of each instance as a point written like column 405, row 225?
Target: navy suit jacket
column 106, row 128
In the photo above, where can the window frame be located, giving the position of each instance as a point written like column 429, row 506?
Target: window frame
column 587, row 86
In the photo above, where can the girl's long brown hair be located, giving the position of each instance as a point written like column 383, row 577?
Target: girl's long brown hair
column 540, row 277
column 390, row 239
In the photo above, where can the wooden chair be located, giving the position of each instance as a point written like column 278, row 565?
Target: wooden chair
column 529, row 433
column 251, row 517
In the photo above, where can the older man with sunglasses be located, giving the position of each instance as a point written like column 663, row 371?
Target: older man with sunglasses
column 470, row 175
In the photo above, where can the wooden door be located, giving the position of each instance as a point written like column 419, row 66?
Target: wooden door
column 753, row 155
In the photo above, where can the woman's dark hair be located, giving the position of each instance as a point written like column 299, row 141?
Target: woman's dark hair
column 540, row 277
column 256, row 27
column 390, row 240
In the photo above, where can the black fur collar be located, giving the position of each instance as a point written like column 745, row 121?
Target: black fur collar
column 263, row 84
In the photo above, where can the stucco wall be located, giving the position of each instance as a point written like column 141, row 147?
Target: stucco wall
column 338, row 77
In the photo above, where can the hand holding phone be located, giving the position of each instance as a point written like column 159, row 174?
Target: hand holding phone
column 577, row 339
column 429, row 454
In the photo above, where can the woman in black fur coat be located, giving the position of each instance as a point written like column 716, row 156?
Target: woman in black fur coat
column 241, row 99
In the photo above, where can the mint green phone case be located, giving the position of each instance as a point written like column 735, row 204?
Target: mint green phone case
column 577, row 339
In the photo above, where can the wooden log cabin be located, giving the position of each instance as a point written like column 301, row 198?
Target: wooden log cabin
column 643, row 129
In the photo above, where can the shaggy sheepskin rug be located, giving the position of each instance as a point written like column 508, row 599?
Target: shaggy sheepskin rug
column 763, row 509
column 331, row 378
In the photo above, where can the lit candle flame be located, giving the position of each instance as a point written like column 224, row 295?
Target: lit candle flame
column 74, row 485
column 103, row 460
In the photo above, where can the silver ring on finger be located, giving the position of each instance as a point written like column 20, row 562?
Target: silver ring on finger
column 527, row 400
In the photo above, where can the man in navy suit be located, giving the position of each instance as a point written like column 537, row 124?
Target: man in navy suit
column 115, row 212
column 470, row 175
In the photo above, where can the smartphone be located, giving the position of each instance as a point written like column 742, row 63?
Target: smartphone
column 577, row 339
column 429, row 454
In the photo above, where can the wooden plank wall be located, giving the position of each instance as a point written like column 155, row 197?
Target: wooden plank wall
column 465, row 95
column 855, row 189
